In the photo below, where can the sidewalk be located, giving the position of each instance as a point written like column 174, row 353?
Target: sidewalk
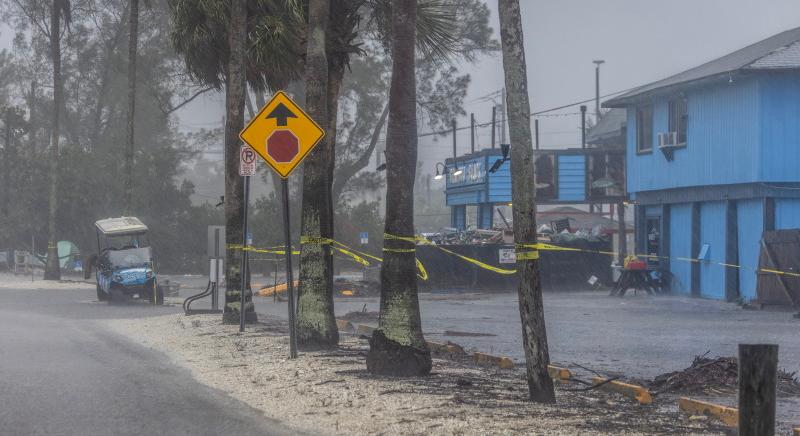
column 331, row 392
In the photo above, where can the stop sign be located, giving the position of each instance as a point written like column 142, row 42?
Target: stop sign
column 283, row 146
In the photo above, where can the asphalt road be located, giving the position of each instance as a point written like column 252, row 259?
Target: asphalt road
column 62, row 374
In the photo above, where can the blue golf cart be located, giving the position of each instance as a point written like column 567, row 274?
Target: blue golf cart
column 124, row 264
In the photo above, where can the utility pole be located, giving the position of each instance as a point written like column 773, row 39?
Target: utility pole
column 454, row 141
column 583, row 126
column 472, row 132
column 536, row 132
column 494, row 121
column 503, row 117
column 597, row 63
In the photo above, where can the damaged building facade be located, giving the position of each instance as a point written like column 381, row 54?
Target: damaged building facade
column 713, row 161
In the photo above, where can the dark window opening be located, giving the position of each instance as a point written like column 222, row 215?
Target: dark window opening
column 678, row 117
column 644, row 129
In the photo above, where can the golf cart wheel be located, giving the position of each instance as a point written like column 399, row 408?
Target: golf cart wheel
column 101, row 296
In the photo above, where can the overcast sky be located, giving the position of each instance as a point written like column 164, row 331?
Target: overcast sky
column 640, row 40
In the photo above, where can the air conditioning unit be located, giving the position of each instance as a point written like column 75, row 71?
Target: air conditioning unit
column 668, row 139
column 667, row 142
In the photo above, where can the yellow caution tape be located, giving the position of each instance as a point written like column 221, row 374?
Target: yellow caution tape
column 252, row 249
column 527, row 255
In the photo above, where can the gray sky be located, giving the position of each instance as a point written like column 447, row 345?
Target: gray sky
column 640, row 40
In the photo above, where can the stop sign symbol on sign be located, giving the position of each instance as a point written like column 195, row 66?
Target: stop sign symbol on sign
column 283, row 146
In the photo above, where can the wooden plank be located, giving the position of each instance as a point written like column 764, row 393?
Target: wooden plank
column 638, row 393
column 728, row 415
column 774, row 265
column 558, row 373
column 796, row 431
column 364, row 330
column 344, row 325
column 488, row 359
column 448, row 347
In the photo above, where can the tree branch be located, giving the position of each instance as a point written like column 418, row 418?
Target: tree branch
column 346, row 172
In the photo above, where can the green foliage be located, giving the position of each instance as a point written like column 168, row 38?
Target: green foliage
column 200, row 34
column 93, row 137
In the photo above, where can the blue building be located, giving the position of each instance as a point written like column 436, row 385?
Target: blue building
column 713, row 160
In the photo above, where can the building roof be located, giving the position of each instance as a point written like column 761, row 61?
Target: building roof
column 778, row 52
column 609, row 130
column 579, row 219
column 125, row 225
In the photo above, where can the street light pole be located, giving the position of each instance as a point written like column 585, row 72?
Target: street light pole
column 597, row 64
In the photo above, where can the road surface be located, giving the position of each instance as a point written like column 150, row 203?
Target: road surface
column 62, row 374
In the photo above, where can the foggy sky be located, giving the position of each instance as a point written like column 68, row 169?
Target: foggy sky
column 641, row 41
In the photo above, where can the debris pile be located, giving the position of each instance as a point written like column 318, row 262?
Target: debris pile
column 718, row 376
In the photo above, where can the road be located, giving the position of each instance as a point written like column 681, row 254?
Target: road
column 62, row 374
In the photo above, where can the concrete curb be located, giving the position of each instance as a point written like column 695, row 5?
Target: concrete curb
column 638, row 393
column 728, row 415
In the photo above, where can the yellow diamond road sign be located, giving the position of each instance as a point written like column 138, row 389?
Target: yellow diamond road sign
column 282, row 134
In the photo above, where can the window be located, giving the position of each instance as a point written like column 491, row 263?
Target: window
column 644, row 129
column 677, row 119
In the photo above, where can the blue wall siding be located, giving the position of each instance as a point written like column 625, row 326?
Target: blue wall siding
column 712, row 232
column 680, row 245
column 571, row 177
column 500, row 183
column 780, row 129
column 787, row 213
column 473, row 197
column 722, row 141
column 750, row 214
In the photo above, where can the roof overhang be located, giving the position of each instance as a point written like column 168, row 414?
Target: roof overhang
column 126, row 225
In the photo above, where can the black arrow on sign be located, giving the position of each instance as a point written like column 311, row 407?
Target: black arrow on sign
column 281, row 113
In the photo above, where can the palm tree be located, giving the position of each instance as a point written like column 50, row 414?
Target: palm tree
column 316, row 325
column 332, row 28
column 529, row 288
column 397, row 346
column 60, row 9
column 236, row 46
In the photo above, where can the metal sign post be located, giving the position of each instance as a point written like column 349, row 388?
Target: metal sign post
column 283, row 135
column 247, row 168
column 289, row 278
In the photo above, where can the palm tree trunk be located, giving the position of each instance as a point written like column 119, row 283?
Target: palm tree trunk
column 316, row 325
column 132, row 46
column 52, row 270
column 529, row 288
column 234, row 184
column 397, row 346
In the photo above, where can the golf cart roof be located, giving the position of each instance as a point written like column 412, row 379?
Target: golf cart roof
column 125, row 225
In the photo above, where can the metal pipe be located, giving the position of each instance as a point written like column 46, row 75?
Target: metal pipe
column 289, row 284
column 536, row 132
column 243, row 269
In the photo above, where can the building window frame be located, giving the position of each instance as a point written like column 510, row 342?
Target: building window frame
column 644, row 129
column 678, row 108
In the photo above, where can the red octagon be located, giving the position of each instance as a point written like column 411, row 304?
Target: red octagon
column 283, row 146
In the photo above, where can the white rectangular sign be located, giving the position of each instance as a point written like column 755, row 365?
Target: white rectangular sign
column 247, row 161
column 507, row 255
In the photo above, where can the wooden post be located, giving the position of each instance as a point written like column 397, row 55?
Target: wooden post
column 758, row 366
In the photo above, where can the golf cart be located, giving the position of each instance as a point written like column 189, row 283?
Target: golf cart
column 124, row 263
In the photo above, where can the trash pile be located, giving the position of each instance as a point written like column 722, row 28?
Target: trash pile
column 718, row 376
column 450, row 236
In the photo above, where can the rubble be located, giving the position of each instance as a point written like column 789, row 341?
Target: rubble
column 717, row 376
